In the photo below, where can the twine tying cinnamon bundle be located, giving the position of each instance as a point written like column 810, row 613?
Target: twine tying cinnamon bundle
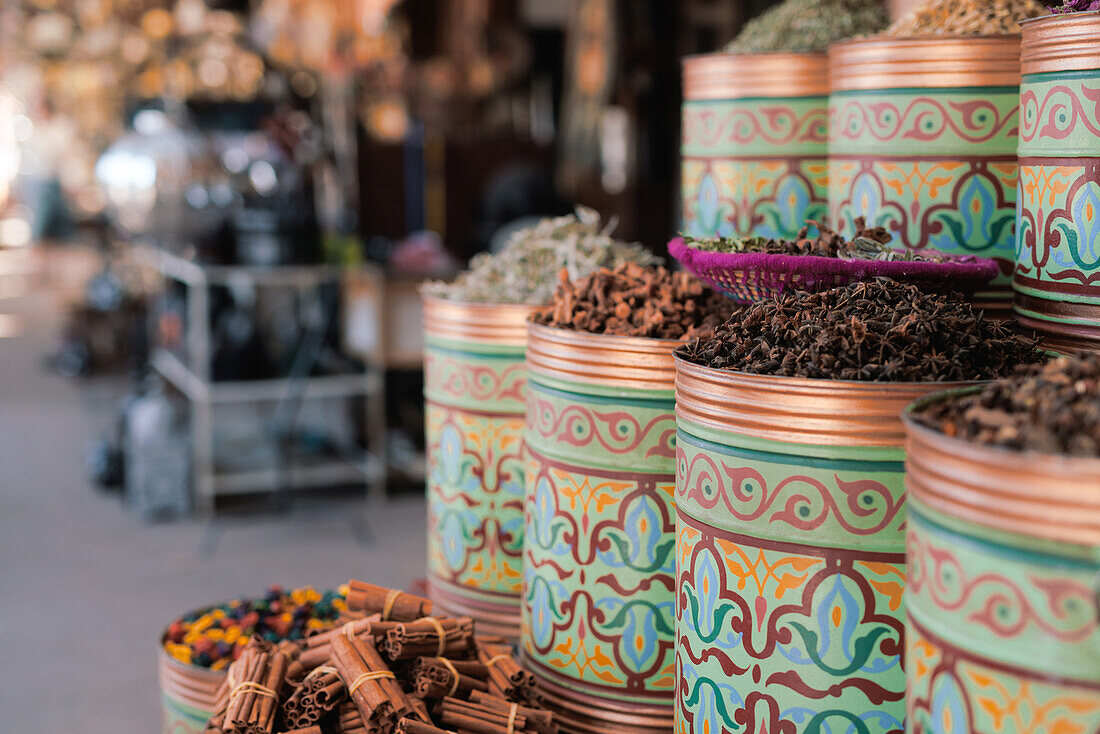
column 506, row 678
column 430, row 636
column 391, row 604
column 442, row 677
column 248, row 699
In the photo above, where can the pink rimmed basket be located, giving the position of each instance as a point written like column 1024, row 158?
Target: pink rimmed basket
column 756, row 276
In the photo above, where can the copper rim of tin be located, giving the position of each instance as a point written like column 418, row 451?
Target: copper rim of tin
column 582, row 713
column 1046, row 496
column 500, row 619
column 192, row 685
column 601, row 359
column 1063, row 42
column 798, row 409
column 729, row 76
column 503, row 324
column 943, row 61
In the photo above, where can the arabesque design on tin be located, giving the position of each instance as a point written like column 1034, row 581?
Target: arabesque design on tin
column 598, row 604
column 753, row 167
column 618, row 431
column 921, row 119
column 952, row 691
column 790, row 583
column 781, row 638
column 474, row 436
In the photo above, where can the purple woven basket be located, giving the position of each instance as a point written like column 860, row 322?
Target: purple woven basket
column 755, row 276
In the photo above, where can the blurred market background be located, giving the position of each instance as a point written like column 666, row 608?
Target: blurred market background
column 214, row 215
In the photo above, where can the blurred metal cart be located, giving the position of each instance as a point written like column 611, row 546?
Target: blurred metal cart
column 190, row 375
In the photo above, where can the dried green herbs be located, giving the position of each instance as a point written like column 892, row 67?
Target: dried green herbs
column 880, row 331
column 809, row 25
column 635, row 301
column 526, row 269
column 1053, row 408
column 869, row 243
column 965, row 18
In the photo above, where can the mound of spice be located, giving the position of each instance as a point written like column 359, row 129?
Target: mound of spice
column 634, row 301
column 1075, row 6
column 391, row 668
column 880, row 331
column 213, row 637
column 965, row 18
column 526, row 268
column 1053, row 408
column 809, row 25
column 869, row 243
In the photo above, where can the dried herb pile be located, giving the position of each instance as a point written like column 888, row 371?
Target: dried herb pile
column 809, row 25
column 869, row 243
column 630, row 300
column 526, row 268
column 1052, row 408
column 1076, row 6
column 965, row 18
column 880, row 331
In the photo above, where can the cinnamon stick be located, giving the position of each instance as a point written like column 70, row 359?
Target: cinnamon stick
column 422, row 637
column 392, row 604
column 412, row 726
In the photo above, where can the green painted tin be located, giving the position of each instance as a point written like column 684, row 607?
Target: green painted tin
column 790, row 553
column 188, row 694
column 475, row 397
column 754, row 143
column 1003, row 630
column 1057, row 277
column 922, row 141
column 598, row 610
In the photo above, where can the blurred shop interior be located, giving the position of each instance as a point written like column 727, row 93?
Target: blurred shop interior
column 243, row 197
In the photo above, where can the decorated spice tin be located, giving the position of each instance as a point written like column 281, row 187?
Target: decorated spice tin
column 1003, row 629
column 922, row 141
column 598, row 609
column 790, row 550
column 475, row 396
column 1057, row 277
column 754, row 143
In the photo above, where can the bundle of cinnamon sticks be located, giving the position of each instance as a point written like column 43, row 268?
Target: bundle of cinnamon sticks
column 390, row 668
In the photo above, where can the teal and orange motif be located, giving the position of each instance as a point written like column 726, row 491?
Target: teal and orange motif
column 598, row 608
column 934, row 165
column 1057, row 277
column 1003, row 637
column 753, row 160
column 790, row 581
column 475, row 392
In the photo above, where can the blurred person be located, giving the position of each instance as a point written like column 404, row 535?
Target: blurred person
column 44, row 155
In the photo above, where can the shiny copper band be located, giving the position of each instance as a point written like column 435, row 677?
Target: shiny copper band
column 492, row 618
column 502, row 324
column 795, row 409
column 587, row 714
column 188, row 684
column 1066, row 42
column 729, row 76
column 1031, row 494
column 633, row 363
column 890, row 63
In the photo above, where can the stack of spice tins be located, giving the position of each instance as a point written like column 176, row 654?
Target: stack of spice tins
column 922, row 132
column 598, row 607
column 755, row 121
column 197, row 649
column 475, row 394
column 791, row 506
column 1057, row 279
column 1003, row 630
